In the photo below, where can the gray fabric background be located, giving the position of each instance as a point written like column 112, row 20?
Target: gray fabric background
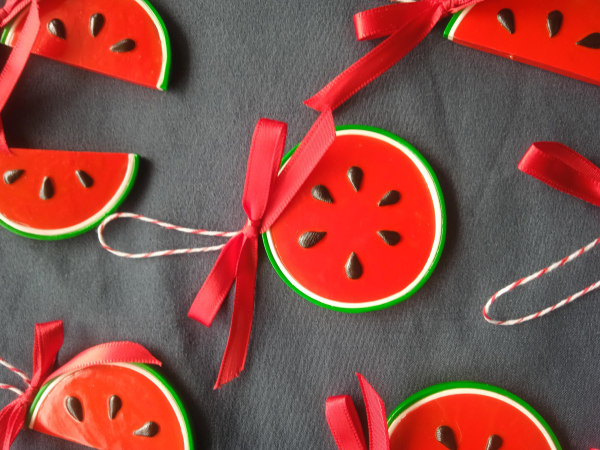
column 472, row 115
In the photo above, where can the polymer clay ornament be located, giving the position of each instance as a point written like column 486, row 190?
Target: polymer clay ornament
column 124, row 39
column 366, row 229
column 448, row 416
column 566, row 170
column 108, row 398
column 562, row 36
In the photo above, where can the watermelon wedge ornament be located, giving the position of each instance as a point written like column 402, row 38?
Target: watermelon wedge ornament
column 367, row 227
column 106, row 398
column 562, row 36
column 124, row 39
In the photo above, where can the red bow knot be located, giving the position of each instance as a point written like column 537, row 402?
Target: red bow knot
column 47, row 342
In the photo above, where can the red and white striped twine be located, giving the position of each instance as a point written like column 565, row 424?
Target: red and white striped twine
column 522, row 281
column 168, row 226
column 18, row 372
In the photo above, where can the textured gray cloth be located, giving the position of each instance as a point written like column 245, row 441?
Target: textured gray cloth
column 472, row 115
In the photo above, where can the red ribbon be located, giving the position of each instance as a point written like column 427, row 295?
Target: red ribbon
column 47, row 342
column 18, row 57
column 265, row 197
column 564, row 169
column 406, row 24
column 345, row 425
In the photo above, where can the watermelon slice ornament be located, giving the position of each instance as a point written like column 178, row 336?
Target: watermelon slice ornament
column 107, row 398
column 448, row 416
column 562, row 36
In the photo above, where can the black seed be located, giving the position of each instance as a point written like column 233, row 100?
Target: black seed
column 389, row 237
column 47, row 190
column 390, row 198
column 321, row 193
column 445, row 436
column 12, row 175
column 355, row 176
column 114, row 406
column 57, row 28
column 75, row 409
column 591, row 41
column 311, row 238
column 354, row 269
column 150, row 429
column 507, row 20
column 494, row 442
column 554, row 22
column 96, row 24
column 85, row 180
column 126, row 45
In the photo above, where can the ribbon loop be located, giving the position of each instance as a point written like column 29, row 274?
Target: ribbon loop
column 345, row 425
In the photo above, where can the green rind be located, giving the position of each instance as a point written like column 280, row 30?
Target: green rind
column 438, row 253
column 469, row 385
column 453, row 20
column 165, row 83
column 153, row 372
column 58, row 237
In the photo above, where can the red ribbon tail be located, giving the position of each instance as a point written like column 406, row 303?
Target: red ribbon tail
column 379, row 438
column 564, row 169
column 236, row 350
column 218, row 283
column 12, row 420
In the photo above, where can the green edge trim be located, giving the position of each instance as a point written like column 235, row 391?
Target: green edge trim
column 136, row 163
column 434, row 264
column 455, row 17
column 165, row 82
column 469, row 385
column 148, row 369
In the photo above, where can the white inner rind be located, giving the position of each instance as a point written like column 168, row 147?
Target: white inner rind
column 434, row 249
column 88, row 222
column 484, row 393
column 10, row 35
column 460, row 18
column 150, row 376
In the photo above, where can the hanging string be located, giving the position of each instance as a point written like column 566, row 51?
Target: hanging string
column 16, row 371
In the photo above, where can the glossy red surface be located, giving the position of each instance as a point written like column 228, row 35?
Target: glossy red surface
column 531, row 42
column 353, row 220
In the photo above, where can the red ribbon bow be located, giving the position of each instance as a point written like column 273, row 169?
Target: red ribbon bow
column 265, row 197
column 47, row 342
column 345, row 425
column 564, row 169
column 406, row 24
column 18, row 57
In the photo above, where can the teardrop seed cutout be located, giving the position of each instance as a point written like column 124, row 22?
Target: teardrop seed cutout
column 355, row 176
column 57, row 28
column 150, row 429
column 321, row 193
column 591, row 41
column 311, row 238
column 11, row 176
column 391, row 238
column 507, row 19
column 74, row 408
column 47, row 190
column 494, row 442
column 114, row 406
column 554, row 22
column 85, row 180
column 354, row 269
column 96, row 24
column 390, row 198
column 126, row 45
column 445, row 436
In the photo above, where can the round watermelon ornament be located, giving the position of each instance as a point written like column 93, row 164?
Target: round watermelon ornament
column 124, row 39
column 366, row 229
column 52, row 194
column 562, row 36
column 468, row 416
column 120, row 406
